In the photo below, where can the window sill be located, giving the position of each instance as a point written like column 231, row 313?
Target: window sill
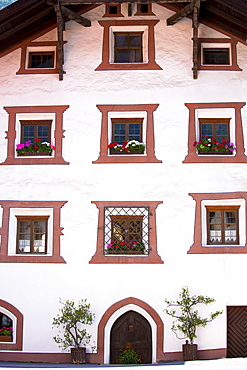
column 215, row 153
column 105, row 66
column 197, row 248
column 31, row 259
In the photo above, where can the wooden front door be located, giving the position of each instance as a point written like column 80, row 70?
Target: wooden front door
column 237, row 331
column 131, row 329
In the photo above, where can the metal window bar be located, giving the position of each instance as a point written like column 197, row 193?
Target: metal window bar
column 139, row 212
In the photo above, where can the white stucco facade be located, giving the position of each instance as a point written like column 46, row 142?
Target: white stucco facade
column 35, row 288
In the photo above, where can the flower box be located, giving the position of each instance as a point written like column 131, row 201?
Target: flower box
column 213, row 152
column 124, row 252
column 31, row 154
column 124, row 152
column 5, row 338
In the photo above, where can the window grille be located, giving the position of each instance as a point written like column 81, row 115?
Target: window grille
column 126, row 230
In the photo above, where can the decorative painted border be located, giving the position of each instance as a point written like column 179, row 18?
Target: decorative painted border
column 104, row 157
column 193, row 157
column 106, row 65
column 197, row 247
column 58, row 135
column 152, row 257
column 57, row 231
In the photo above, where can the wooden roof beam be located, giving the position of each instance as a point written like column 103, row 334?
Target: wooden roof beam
column 60, row 29
column 75, row 17
column 80, row 2
column 195, row 37
column 180, row 14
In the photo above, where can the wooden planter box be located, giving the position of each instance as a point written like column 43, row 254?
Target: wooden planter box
column 215, row 153
column 124, row 152
column 78, row 355
column 5, row 338
column 31, row 154
column 189, row 352
column 125, row 252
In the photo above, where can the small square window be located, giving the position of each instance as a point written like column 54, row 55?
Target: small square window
column 222, row 225
column 41, row 59
column 113, row 10
column 31, row 235
column 215, row 128
column 216, row 56
column 128, row 47
column 32, row 130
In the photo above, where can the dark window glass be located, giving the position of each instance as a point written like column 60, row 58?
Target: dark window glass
column 216, row 56
column 31, row 130
column 41, row 60
column 126, row 129
column 215, row 128
column 144, row 8
column 113, row 9
column 128, row 47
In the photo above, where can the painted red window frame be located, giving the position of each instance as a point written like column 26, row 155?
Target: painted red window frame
column 106, row 65
column 17, row 346
column 24, row 55
column 223, row 67
column 107, row 10
column 58, row 135
column 152, row 257
column 140, row 13
column 193, row 157
column 197, row 247
column 57, row 232
column 104, row 156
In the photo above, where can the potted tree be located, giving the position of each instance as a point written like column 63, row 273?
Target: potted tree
column 188, row 319
column 71, row 318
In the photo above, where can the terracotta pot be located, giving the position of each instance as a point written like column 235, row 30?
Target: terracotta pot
column 78, row 355
column 189, row 352
column 5, row 338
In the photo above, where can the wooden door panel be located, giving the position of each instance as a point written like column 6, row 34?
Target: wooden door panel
column 237, row 331
column 131, row 329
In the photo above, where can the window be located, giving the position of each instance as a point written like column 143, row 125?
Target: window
column 31, row 231
column 13, row 318
column 6, row 327
column 121, row 123
column 126, row 230
column 126, row 233
column 41, row 59
column 221, row 120
column 31, row 235
column 34, row 123
column 128, row 44
column 144, row 9
column 128, row 47
column 220, row 223
column 217, row 54
column 113, row 10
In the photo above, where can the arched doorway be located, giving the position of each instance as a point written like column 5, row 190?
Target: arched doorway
column 131, row 329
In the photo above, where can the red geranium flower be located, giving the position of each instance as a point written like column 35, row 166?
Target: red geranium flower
column 37, row 140
column 111, row 145
column 36, row 147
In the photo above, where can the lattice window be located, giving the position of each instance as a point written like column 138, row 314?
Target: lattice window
column 126, row 230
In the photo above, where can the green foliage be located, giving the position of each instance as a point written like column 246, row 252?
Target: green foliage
column 187, row 318
column 71, row 318
column 129, row 356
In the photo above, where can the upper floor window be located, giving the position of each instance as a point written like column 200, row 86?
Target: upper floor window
column 222, row 225
column 40, row 59
column 126, row 230
column 215, row 133
column 217, row 54
column 35, row 135
column 113, row 10
column 128, row 47
column 127, row 129
column 126, row 233
column 31, row 235
column 128, row 44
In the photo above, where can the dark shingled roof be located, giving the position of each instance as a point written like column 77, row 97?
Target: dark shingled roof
column 28, row 18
